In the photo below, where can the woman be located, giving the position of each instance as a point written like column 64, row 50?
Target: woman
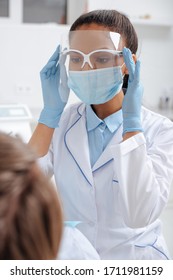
column 112, row 159
column 30, row 211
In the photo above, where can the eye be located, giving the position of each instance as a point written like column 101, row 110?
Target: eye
column 102, row 60
column 75, row 58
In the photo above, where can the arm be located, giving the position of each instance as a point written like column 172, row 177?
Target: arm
column 55, row 95
column 127, row 135
column 145, row 173
column 41, row 139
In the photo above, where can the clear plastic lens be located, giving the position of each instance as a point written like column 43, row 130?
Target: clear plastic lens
column 96, row 59
column 92, row 49
column 75, row 60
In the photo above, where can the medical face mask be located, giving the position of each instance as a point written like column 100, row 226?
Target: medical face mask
column 96, row 86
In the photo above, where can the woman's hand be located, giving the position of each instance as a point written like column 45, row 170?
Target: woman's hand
column 54, row 90
column 132, row 101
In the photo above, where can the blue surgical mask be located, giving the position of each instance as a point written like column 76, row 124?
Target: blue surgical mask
column 96, row 86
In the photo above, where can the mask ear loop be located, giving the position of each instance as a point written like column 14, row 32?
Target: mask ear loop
column 122, row 65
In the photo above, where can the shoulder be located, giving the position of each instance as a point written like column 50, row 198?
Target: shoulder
column 155, row 124
column 78, row 107
column 72, row 112
column 147, row 113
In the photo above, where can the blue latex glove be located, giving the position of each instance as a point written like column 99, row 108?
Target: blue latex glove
column 54, row 90
column 131, row 107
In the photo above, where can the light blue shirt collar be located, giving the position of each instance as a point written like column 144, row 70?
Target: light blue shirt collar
column 112, row 122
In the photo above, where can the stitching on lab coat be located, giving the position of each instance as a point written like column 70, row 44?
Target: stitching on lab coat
column 152, row 245
column 78, row 108
column 160, row 252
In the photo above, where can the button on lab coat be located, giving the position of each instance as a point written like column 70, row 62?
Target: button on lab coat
column 120, row 199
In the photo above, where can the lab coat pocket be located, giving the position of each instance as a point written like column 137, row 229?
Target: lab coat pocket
column 155, row 250
column 115, row 196
column 115, row 181
column 115, row 187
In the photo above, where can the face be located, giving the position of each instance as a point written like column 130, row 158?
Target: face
column 94, row 47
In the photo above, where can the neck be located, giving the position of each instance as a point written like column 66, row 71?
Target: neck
column 110, row 107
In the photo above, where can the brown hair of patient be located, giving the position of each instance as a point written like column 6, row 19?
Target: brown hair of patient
column 30, row 211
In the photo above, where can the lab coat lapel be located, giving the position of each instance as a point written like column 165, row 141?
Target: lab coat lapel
column 107, row 156
column 76, row 140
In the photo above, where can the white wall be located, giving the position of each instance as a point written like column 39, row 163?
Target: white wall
column 160, row 8
column 75, row 8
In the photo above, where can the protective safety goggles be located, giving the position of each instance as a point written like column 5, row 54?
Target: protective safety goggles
column 91, row 49
column 97, row 59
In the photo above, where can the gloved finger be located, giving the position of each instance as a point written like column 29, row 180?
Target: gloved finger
column 47, row 67
column 137, row 71
column 128, row 59
column 55, row 55
column 54, row 70
column 48, row 73
column 51, row 62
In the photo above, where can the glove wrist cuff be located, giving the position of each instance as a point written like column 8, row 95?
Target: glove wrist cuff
column 50, row 117
column 131, row 125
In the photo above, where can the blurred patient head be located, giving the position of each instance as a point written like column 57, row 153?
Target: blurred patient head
column 30, row 212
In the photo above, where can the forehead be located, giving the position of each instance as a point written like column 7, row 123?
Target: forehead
column 89, row 40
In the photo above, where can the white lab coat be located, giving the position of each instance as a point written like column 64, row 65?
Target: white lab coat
column 120, row 199
column 75, row 246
